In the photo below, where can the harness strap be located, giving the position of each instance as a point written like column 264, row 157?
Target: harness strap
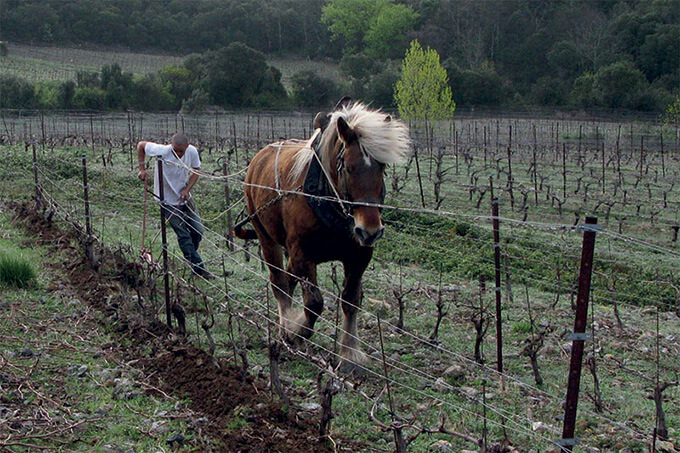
column 332, row 186
column 276, row 168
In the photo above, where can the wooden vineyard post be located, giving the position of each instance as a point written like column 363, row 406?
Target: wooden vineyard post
column 42, row 128
column 92, row 139
column 642, row 154
column 227, row 199
column 564, row 171
column 604, row 180
column 663, row 160
column 510, row 180
column 38, row 188
column 579, row 336
column 89, row 249
column 164, row 239
column 534, row 171
column 497, row 288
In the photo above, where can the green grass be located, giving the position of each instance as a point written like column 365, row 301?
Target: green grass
column 16, row 271
column 37, row 63
column 62, row 334
column 417, row 246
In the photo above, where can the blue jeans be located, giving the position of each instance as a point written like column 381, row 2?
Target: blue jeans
column 187, row 225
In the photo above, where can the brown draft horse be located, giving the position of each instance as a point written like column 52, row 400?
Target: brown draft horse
column 336, row 219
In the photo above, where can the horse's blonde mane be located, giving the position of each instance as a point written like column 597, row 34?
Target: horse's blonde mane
column 383, row 138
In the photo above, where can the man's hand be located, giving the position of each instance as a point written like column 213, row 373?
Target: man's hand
column 184, row 195
column 142, row 175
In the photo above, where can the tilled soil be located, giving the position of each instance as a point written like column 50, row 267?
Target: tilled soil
column 216, row 389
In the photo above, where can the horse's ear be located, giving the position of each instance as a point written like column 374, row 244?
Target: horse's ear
column 345, row 132
column 344, row 102
column 321, row 121
column 388, row 118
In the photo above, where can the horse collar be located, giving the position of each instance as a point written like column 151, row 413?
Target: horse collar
column 323, row 201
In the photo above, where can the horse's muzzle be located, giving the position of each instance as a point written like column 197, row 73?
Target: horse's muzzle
column 366, row 238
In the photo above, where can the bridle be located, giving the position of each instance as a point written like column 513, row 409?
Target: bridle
column 342, row 175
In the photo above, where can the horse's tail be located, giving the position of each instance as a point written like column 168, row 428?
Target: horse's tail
column 244, row 233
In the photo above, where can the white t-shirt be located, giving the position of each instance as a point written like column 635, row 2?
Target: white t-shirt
column 175, row 171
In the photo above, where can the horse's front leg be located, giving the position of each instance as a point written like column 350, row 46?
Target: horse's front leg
column 352, row 295
column 300, row 323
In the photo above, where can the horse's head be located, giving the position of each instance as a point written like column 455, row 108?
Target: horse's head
column 359, row 179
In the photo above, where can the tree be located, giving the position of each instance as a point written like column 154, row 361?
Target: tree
column 620, row 85
column 672, row 113
column 423, row 92
column 311, row 90
column 476, row 87
column 178, row 81
column 16, row 93
column 65, row 93
column 238, row 76
column 660, row 53
column 376, row 27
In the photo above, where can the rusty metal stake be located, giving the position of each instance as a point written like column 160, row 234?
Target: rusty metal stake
column 568, row 440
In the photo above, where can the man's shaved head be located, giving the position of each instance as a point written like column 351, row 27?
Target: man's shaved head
column 180, row 139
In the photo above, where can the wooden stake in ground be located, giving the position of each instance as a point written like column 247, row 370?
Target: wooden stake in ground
column 38, row 188
column 89, row 245
column 497, row 288
column 164, row 240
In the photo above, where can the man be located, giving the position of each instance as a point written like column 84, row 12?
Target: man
column 179, row 158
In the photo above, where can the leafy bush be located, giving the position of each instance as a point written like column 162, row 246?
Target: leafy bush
column 380, row 88
column 16, row 93
column 88, row 98
column 619, row 84
column 475, row 87
column 235, row 76
column 16, row 271
column 150, row 95
column 311, row 90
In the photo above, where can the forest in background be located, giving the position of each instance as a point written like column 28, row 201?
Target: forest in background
column 614, row 54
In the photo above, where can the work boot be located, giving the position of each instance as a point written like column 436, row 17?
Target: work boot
column 204, row 273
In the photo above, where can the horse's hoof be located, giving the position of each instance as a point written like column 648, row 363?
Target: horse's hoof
column 347, row 368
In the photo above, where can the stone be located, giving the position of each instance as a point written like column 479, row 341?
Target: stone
column 103, row 411
column 176, row 438
column 159, row 427
column 311, row 407
column 441, row 446
column 378, row 306
column 455, row 372
column 440, row 385
column 81, row 371
column 470, row 391
column 665, row 446
column 26, row 352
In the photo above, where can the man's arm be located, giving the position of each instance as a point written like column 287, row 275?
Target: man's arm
column 141, row 160
column 184, row 194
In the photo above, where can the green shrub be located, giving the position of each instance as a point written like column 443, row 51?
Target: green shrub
column 16, row 271
column 522, row 327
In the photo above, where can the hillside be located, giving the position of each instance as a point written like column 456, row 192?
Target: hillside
column 61, row 63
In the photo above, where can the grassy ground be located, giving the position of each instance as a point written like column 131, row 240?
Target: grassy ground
column 65, row 385
column 416, row 247
column 37, row 63
column 59, row 63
